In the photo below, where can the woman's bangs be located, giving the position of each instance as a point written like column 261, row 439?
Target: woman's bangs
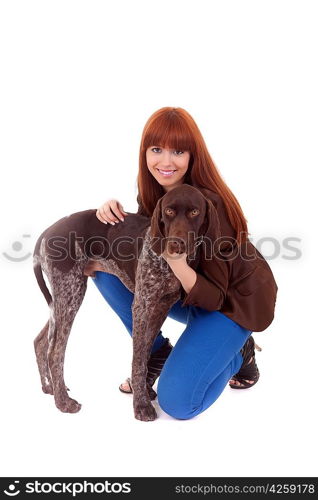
column 171, row 137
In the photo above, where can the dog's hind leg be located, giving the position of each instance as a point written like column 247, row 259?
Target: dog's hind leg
column 56, row 354
column 68, row 293
column 41, row 348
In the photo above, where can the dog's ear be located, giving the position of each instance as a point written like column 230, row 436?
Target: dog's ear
column 211, row 228
column 157, row 229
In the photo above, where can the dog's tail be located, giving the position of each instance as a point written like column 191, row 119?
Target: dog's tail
column 40, row 279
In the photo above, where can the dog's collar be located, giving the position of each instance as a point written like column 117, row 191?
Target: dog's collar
column 199, row 241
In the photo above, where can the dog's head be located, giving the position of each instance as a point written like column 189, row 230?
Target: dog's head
column 181, row 219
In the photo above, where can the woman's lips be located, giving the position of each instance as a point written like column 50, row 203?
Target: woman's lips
column 166, row 173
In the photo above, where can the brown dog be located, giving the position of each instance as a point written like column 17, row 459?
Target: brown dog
column 132, row 251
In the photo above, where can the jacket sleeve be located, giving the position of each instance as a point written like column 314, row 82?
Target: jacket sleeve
column 209, row 290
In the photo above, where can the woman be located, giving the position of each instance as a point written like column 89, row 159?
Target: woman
column 214, row 349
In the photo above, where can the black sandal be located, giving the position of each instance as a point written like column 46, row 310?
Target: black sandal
column 249, row 369
column 155, row 365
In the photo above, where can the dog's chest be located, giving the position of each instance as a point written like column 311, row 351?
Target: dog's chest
column 156, row 274
column 153, row 273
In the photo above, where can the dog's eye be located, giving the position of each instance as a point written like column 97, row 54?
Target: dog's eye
column 169, row 211
column 195, row 212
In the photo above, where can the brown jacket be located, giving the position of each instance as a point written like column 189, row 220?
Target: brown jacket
column 238, row 282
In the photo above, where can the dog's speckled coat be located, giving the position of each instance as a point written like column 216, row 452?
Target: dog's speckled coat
column 145, row 274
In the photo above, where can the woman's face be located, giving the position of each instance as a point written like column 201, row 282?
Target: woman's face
column 168, row 166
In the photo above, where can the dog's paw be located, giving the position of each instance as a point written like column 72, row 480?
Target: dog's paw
column 47, row 389
column 68, row 405
column 145, row 412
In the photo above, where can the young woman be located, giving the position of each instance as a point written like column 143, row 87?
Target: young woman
column 215, row 348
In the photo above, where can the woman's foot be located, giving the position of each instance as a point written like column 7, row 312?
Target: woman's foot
column 248, row 374
column 125, row 386
column 233, row 381
column 155, row 365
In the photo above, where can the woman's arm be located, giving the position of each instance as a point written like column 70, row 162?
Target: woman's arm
column 179, row 266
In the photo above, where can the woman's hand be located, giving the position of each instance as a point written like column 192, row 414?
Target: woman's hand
column 173, row 258
column 105, row 212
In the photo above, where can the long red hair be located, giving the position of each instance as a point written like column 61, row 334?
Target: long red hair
column 175, row 128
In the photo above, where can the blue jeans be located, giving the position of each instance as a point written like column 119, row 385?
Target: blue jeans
column 203, row 360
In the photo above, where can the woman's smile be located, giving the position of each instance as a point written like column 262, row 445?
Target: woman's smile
column 166, row 173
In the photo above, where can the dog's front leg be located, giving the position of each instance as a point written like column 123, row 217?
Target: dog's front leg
column 148, row 317
column 143, row 338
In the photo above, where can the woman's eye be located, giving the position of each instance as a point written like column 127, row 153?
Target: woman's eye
column 178, row 152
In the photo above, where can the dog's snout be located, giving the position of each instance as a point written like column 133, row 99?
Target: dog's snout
column 177, row 245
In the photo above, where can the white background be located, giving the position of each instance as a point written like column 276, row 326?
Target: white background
column 79, row 79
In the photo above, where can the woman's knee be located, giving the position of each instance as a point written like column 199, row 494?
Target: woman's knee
column 174, row 398
column 184, row 394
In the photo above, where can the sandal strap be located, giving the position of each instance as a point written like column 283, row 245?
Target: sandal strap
column 249, row 372
column 249, row 369
column 157, row 361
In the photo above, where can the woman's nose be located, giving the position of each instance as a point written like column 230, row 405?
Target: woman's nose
column 166, row 159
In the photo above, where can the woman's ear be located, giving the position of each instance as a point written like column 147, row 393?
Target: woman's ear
column 157, row 229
